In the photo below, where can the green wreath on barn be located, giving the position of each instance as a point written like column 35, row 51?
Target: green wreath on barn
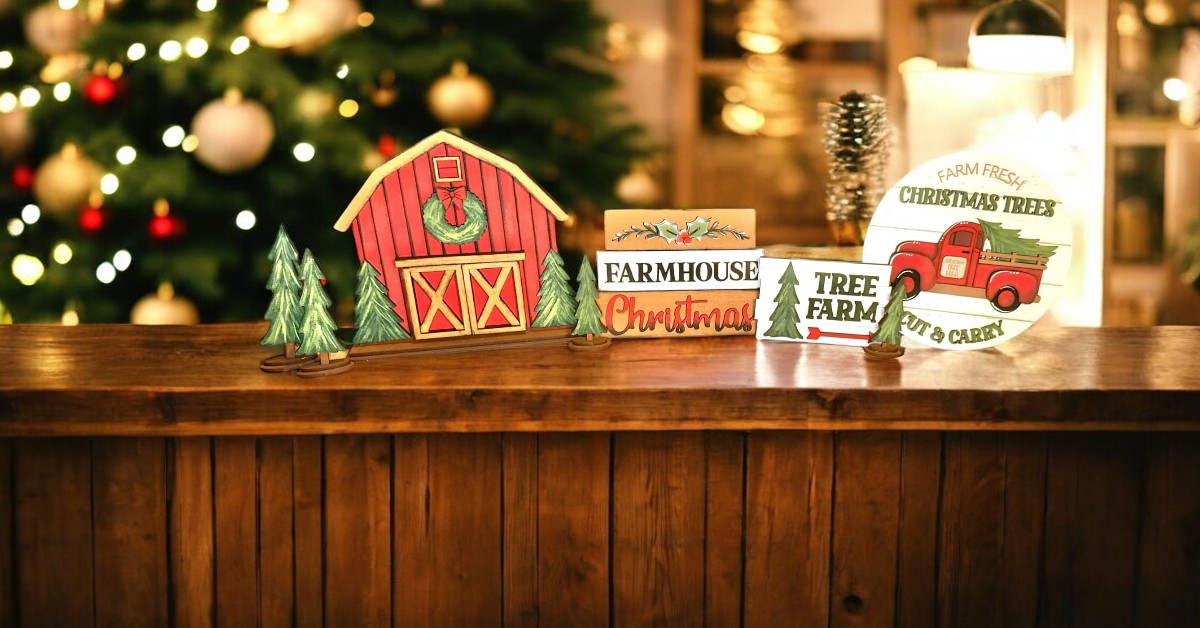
column 433, row 214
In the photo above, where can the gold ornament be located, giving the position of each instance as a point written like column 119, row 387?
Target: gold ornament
column 65, row 181
column 297, row 27
column 233, row 134
column 460, row 99
column 52, row 30
column 337, row 16
column 14, row 132
column 164, row 307
column 385, row 93
column 313, row 103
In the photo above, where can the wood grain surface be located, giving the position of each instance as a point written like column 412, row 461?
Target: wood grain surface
column 677, row 483
column 204, row 380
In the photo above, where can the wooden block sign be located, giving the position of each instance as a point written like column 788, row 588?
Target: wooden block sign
column 830, row 302
column 678, row 313
column 626, row 271
column 678, row 229
column 982, row 243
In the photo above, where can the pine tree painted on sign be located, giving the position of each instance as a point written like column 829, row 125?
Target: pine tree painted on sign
column 587, row 312
column 317, row 327
column 556, row 301
column 1004, row 240
column 375, row 315
column 785, row 322
column 284, row 312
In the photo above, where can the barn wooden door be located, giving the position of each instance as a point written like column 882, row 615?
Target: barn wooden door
column 463, row 295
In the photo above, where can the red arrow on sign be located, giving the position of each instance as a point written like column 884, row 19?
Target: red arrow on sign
column 814, row 333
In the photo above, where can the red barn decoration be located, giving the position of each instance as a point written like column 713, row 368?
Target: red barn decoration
column 458, row 234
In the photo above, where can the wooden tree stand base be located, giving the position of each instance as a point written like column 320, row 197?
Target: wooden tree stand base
column 597, row 343
column 333, row 367
column 535, row 337
column 284, row 364
column 883, row 351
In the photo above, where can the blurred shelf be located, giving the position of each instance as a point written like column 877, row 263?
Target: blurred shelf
column 862, row 70
column 1140, row 130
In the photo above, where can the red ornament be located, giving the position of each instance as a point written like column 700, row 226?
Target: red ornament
column 386, row 145
column 167, row 227
column 100, row 89
column 22, row 177
column 92, row 219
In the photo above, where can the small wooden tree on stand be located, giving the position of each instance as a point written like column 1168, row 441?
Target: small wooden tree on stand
column 589, row 325
column 318, row 329
column 375, row 314
column 885, row 342
column 556, row 303
column 284, row 312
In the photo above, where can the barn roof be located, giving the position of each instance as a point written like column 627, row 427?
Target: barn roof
column 399, row 161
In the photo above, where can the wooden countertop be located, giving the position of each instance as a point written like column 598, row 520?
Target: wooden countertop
column 204, row 380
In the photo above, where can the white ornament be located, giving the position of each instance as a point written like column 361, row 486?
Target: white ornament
column 52, row 30
column 637, row 188
column 65, row 181
column 233, row 134
column 164, row 308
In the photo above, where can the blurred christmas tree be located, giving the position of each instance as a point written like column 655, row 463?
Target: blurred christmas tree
column 151, row 141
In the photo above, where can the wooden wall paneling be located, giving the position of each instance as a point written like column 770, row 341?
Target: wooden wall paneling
column 235, row 537
column 129, row 522
column 8, row 593
column 573, row 529
column 993, row 512
column 1092, row 516
column 658, row 529
column 53, row 522
column 190, row 523
column 358, row 542
column 276, row 543
column 916, row 568
column 520, row 550
column 866, row 523
column 308, row 512
column 789, row 505
column 1168, row 589
column 447, row 530
column 724, row 507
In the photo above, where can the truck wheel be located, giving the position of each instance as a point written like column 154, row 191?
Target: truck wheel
column 912, row 282
column 1006, row 299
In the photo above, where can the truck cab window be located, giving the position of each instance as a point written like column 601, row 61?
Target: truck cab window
column 961, row 238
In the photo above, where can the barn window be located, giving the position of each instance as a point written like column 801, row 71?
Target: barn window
column 447, row 169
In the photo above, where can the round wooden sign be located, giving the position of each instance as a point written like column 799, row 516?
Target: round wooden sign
column 982, row 243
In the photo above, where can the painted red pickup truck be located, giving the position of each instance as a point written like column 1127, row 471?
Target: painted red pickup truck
column 958, row 264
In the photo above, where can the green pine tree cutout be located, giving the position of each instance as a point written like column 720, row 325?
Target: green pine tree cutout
column 284, row 312
column 556, row 301
column 1004, row 240
column 785, row 322
column 375, row 314
column 317, row 326
column 889, row 326
column 587, row 313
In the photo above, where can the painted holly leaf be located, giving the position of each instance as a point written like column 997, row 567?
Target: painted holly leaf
column 698, row 227
column 665, row 229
